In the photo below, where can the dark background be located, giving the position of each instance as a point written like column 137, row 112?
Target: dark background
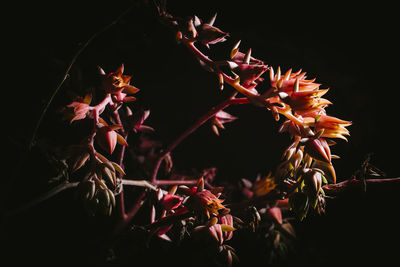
column 349, row 48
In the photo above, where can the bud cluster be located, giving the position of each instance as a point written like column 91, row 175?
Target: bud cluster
column 102, row 181
column 290, row 94
column 199, row 209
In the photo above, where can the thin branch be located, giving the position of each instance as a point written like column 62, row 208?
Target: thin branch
column 256, row 201
column 138, row 202
column 42, row 198
column 181, row 182
column 338, row 188
column 214, row 110
column 330, row 189
column 120, row 157
column 140, row 183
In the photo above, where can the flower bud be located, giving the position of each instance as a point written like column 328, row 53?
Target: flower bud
column 170, row 202
column 313, row 179
column 318, row 149
column 204, row 202
column 276, row 214
column 106, row 138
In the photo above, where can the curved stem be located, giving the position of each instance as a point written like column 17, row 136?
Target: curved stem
column 140, row 183
column 198, row 54
column 181, row 182
column 42, row 198
column 330, row 189
column 120, row 197
column 214, row 110
column 132, row 212
column 338, row 188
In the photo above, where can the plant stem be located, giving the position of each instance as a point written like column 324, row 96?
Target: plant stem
column 256, row 99
column 61, row 187
column 330, row 189
column 137, row 204
column 338, row 188
column 180, row 182
column 214, row 110
column 120, row 197
column 140, row 183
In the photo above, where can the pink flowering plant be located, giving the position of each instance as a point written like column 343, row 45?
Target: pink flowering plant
column 192, row 210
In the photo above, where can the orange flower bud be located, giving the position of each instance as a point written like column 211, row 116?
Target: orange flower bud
column 264, row 185
column 333, row 127
column 116, row 82
column 205, row 202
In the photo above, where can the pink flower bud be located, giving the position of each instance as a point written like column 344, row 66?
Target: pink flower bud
column 170, row 202
column 276, row 214
column 204, row 202
column 106, row 138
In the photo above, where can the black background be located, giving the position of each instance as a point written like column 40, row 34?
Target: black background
column 349, row 48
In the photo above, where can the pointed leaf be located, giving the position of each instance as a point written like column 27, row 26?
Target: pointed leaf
column 289, row 229
column 121, row 140
column 101, row 157
column 87, row 99
column 79, row 162
column 101, row 71
column 275, row 214
column 246, row 59
column 212, row 20
column 130, row 89
column 227, row 228
column 114, row 127
column 110, row 175
column 120, row 70
column 200, row 184
column 128, row 99
column 118, row 168
column 146, row 129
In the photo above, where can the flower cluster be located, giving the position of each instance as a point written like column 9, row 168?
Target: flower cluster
column 290, row 94
column 295, row 186
column 211, row 222
column 102, row 182
column 308, row 160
